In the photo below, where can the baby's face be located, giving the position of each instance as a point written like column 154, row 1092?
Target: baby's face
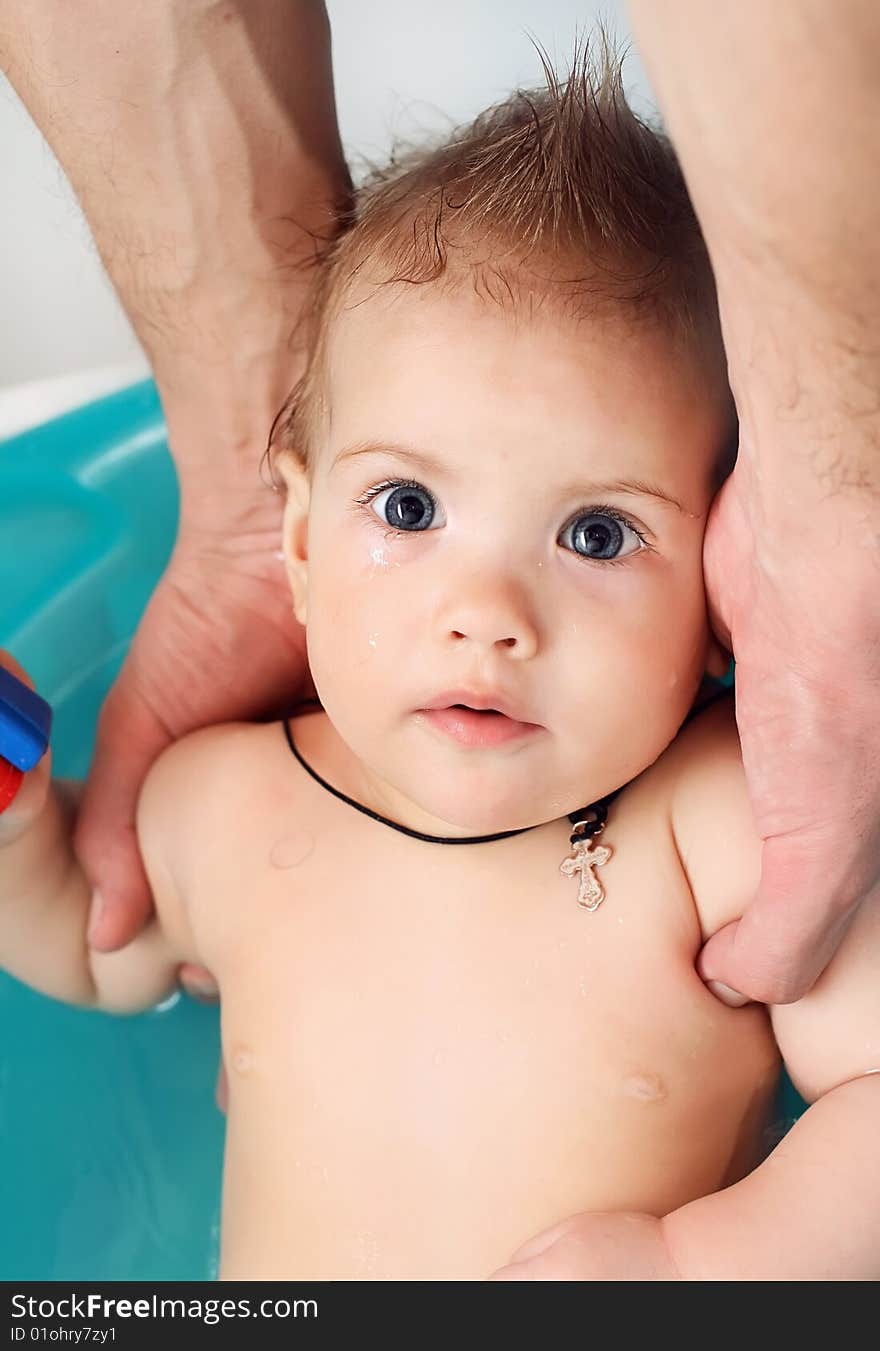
column 508, row 514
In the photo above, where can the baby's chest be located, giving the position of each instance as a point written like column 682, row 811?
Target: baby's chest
column 445, row 1031
column 451, row 930
column 471, row 977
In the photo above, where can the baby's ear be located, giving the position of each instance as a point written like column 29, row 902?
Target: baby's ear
column 295, row 530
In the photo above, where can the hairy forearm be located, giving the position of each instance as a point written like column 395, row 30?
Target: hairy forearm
column 775, row 114
column 201, row 140
column 811, row 1211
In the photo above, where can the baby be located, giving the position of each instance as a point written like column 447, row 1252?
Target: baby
column 455, row 1009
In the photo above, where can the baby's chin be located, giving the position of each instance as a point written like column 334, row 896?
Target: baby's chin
column 449, row 810
column 451, row 793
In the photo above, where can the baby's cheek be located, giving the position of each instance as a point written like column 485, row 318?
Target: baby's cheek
column 352, row 625
column 628, row 697
column 671, row 640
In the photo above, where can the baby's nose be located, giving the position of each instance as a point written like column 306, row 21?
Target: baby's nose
column 493, row 616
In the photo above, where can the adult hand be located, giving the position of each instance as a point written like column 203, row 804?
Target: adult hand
column 201, row 140
column 777, row 166
column 798, row 605
column 218, row 641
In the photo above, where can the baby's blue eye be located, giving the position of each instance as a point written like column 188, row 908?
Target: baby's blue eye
column 599, row 535
column 405, row 506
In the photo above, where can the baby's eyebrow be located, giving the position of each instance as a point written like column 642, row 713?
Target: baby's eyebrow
column 636, row 487
column 423, row 460
column 398, row 452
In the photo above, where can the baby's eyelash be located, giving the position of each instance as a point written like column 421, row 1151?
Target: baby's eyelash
column 367, row 496
column 362, row 503
column 603, row 509
column 596, row 509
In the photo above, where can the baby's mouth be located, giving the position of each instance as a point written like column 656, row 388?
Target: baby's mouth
column 478, row 728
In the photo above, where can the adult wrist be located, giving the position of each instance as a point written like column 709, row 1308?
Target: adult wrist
column 804, row 369
column 218, row 453
column 220, row 395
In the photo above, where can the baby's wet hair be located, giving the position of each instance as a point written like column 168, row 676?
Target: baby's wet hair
column 559, row 198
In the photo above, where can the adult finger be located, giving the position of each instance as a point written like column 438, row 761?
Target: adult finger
column 130, row 737
column 790, row 930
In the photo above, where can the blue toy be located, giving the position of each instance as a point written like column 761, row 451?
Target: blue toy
column 25, row 723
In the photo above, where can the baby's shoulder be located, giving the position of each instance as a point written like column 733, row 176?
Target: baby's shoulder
column 200, row 790
column 701, row 781
column 198, row 767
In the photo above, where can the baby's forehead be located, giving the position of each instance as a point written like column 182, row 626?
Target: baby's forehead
column 476, row 391
column 381, row 343
column 477, row 306
column 452, row 347
column 474, row 291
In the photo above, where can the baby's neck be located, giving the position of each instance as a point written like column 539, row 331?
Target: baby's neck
column 328, row 759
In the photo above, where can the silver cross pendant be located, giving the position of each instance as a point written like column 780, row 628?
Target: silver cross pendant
column 583, row 860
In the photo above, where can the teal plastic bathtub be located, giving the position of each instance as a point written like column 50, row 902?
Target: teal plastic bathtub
column 110, row 1141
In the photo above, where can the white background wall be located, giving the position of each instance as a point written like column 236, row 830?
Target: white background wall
column 400, row 65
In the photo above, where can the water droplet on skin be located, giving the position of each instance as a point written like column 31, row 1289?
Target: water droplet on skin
column 378, row 560
column 242, row 1060
column 645, row 1088
column 292, row 849
column 584, row 988
column 373, row 640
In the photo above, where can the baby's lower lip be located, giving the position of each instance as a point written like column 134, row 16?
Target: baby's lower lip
column 469, row 727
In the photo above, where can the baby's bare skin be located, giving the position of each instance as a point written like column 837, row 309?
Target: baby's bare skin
column 434, row 1053
column 429, row 1062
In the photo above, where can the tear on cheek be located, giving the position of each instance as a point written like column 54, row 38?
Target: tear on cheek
column 645, row 1087
column 378, row 561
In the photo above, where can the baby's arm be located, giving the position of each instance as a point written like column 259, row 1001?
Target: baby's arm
column 44, row 898
column 812, row 1209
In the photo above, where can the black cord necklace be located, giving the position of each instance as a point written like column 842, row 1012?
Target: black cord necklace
column 587, row 822
column 574, row 817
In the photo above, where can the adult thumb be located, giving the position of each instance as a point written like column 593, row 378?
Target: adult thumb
column 129, row 739
column 788, row 934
